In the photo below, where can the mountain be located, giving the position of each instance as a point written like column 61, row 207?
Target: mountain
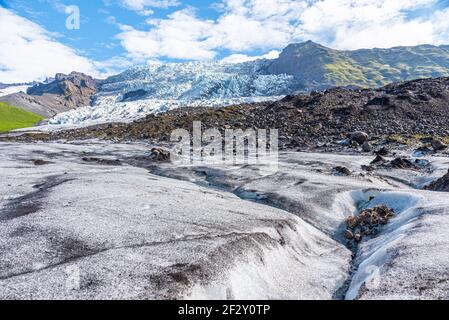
column 319, row 67
column 64, row 93
column 301, row 67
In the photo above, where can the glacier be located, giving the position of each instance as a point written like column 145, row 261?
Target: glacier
column 161, row 87
column 120, row 226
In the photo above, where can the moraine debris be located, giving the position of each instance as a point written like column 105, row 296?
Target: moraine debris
column 367, row 223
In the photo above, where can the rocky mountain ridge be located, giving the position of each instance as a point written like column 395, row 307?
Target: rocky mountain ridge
column 64, row 93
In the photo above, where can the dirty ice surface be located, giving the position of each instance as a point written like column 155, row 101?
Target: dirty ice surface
column 102, row 221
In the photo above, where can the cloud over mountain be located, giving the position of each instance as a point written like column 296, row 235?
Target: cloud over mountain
column 247, row 25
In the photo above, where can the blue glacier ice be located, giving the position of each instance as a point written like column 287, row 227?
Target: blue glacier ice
column 160, row 87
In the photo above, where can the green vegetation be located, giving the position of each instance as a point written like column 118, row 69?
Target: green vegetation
column 371, row 68
column 344, row 72
column 413, row 139
column 14, row 118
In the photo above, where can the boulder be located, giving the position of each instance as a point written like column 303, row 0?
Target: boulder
column 441, row 184
column 343, row 171
column 159, row 154
column 367, row 168
column 402, row 163
column 383, row 152
column 359, row 137
column 437, row 145
column 349, row 235
column 367, row 147
column 379, row 160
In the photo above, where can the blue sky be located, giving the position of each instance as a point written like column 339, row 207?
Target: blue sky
column 117, row 34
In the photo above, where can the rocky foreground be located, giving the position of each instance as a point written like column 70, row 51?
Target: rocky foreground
column 100, row 220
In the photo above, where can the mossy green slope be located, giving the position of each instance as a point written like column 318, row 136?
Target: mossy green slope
column 316, row 66
column 14, row 118
column 378, row 67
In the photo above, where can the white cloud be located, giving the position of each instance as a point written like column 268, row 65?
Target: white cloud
column 349, row 24
column 28, row 52
column 139, row 5
column 112, row 66
column 181, row 36
column 246, row 25
column 238, row 58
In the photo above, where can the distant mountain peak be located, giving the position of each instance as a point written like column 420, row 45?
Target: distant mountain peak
column 306, row 45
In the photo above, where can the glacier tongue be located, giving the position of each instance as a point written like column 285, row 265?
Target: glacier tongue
column 162, row 87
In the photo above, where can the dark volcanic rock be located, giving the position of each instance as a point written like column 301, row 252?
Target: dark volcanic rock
column 40, row 162
column 382, row 152
column 437, row 145
column 402, row 163
column 342, row 171
column 379, row 160
column 159, row 154
column 367, row 147
column 359, row 137
column 441, row 184
column 317, row 119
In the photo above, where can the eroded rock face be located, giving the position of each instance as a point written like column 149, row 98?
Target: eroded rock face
column 76, row 88
column 441, row 184
column 66, row 92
